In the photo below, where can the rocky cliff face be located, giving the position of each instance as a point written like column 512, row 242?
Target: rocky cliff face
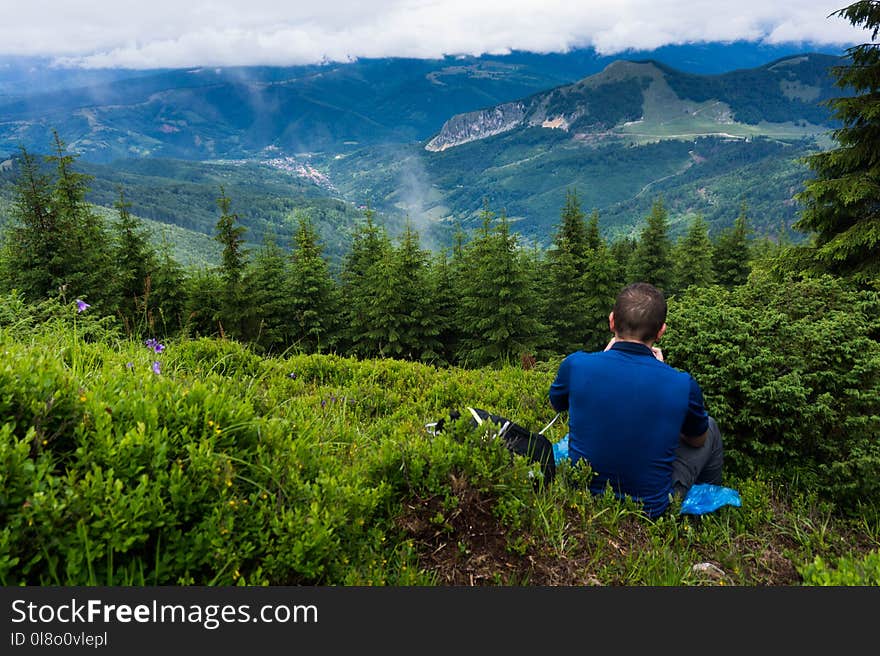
column 483, row 123
column 471, row 126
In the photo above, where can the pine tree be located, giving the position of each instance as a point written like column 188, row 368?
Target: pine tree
column 407, row 308
column 566, row 291
column 269, row 307
column 496, row 313
column 443, row 284
column 35, row 246
column 731, row 254
column 361, row 280
column 534, row 262
column 314, row 293
column 693, row 257
column 840, row 203
column 166, row 311
column 652, row 260
column 136, row 262
column 602, row 284
column 57, row 245
column 594, row 239
column 204, row 309
column 622, row 252
column 230, row 233
column 88, row 265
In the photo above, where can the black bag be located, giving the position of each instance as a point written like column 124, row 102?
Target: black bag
column 534, row 446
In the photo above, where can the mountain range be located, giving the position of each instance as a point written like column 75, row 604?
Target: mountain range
column 621, row 138
column 434, row 140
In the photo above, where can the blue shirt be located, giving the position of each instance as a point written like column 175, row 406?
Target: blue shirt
column 626, row 410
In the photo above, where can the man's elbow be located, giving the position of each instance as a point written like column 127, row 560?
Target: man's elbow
column 559, row 404
column 695, row 441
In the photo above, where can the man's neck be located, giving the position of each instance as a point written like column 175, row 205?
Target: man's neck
column 619, row 339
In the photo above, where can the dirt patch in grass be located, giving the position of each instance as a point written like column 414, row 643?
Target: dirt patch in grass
column 467, row 546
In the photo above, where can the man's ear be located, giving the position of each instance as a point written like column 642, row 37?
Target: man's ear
column 611, row 322
column 662, row 330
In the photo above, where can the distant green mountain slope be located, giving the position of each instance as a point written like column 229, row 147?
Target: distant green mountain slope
column 178, row 199
column 235, row 112
column 619, row 138
column 528, row 181
column 240, row 112
column 642, row 101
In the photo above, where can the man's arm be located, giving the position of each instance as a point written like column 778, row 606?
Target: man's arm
column 696, row 422
column 559, row 388
column 695, row 442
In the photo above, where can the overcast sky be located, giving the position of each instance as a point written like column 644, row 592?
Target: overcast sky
column 181, row 33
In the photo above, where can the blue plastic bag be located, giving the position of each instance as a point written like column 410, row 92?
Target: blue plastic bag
column 704, row 498
column 560, row 449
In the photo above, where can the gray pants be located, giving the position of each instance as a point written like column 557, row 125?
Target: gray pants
column 698, row 464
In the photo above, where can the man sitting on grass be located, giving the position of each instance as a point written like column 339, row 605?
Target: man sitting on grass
column 640, row 424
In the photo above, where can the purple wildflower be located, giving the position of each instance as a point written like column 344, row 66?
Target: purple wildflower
column 154, row 344
column 129, row 365
column 81, row 306
column 292, row 375
column 156, row 369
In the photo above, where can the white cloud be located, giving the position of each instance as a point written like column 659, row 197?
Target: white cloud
column 166, row 33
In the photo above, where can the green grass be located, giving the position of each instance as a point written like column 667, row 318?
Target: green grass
column 688, row 129
column 231, row 468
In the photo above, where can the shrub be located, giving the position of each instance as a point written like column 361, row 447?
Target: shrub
column 845, row 571
column 791, row 371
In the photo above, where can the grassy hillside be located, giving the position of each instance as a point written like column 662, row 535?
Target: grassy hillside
column 205, row 464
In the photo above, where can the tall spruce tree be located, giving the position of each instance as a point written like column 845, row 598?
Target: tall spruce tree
column 314, row 293
column 622, row 251
column 166, row 312
column 411, row 301
column 57, row 244
column 444, row 293
column 36, row 243
column 652, row 260
column 204, row 308
column 731, row 253
column 566, row 293
column 496, row 313
column 602, row 284
column 594, row 234
column 693, row 257
column 841, row 207
column 266, row 317
column 229, row 232
column 90, row 270
column 136, row 263
column 362, row 274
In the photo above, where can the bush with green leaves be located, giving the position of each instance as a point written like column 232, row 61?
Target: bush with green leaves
column 225, row 467
column 790, row 369
column 845, row 571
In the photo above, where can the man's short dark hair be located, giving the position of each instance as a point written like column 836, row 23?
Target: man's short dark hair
column 639, row 312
